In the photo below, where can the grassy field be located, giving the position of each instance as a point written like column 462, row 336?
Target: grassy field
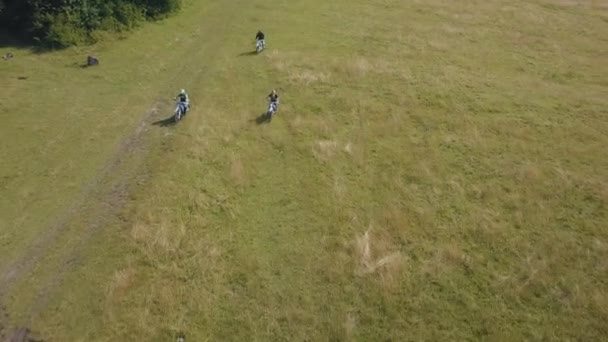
column 436, row 171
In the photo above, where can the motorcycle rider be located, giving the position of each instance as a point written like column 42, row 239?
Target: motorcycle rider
column 273, row 97
column 184, row 99
column 260, row 37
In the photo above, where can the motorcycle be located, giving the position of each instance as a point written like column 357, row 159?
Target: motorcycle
column 259, row 45
column 180, row 110
column 272, row 109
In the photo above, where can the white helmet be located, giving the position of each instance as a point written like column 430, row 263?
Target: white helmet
column 183, row 91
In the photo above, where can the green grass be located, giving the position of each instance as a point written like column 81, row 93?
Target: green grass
column 466, row 137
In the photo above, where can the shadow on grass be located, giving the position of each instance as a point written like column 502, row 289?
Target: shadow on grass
column 264, row 118
column 78, row 65
column 9, row 41
column 165, row 122
column 248, row 53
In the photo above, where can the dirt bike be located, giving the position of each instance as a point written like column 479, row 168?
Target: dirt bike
column 180, row 110
column 272, row 109
column 259, row 45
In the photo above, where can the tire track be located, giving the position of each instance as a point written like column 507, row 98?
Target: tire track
column 109, row 202
column 16, row 269
column 100, row 200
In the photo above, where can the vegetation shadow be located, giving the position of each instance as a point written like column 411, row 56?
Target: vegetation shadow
column 10, row 41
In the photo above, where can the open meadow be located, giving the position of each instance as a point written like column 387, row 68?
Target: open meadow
column 436, row 171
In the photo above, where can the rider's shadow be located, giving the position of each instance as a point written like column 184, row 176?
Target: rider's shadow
column 262, row 119
column 248, row 53
column 170, row 121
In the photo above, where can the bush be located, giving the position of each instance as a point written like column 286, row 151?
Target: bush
column 160, row 8
column 62, row 23
column 68, row 25
column 128, row 15
column 63, row 32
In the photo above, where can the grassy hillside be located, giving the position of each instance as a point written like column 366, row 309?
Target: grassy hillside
column 434, row 172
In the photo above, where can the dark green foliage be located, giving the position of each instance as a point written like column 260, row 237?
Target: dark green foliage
column 62, row 23
column 159, row 8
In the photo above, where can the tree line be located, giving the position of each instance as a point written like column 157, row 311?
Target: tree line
column 62, row 23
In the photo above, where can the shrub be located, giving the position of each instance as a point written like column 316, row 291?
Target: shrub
column 63, row 31
column 128, row 15
column 160, row 8
column 63, row 23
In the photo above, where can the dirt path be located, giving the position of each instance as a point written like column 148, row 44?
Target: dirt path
column 99, row 202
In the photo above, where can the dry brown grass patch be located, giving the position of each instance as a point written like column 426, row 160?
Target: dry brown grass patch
column 324, row 149
column 564, row 175
column 446, row 259
column 339, row 188
column 456, row 186
column 276, row 59
column 373, row 255
column 348, row 148
column 530, row 273
column 533, row 271
column 140, row 231
column 307, row 77
column 120, row 283
column 350, row 324
column 360, row 67
column 602, row 191
column 163, row 235
column 530, row 172
column 295, row 73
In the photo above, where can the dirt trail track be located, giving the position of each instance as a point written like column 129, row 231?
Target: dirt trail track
column 107, row 193
column 102, row 199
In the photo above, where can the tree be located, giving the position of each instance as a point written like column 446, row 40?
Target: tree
column 69, row 22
